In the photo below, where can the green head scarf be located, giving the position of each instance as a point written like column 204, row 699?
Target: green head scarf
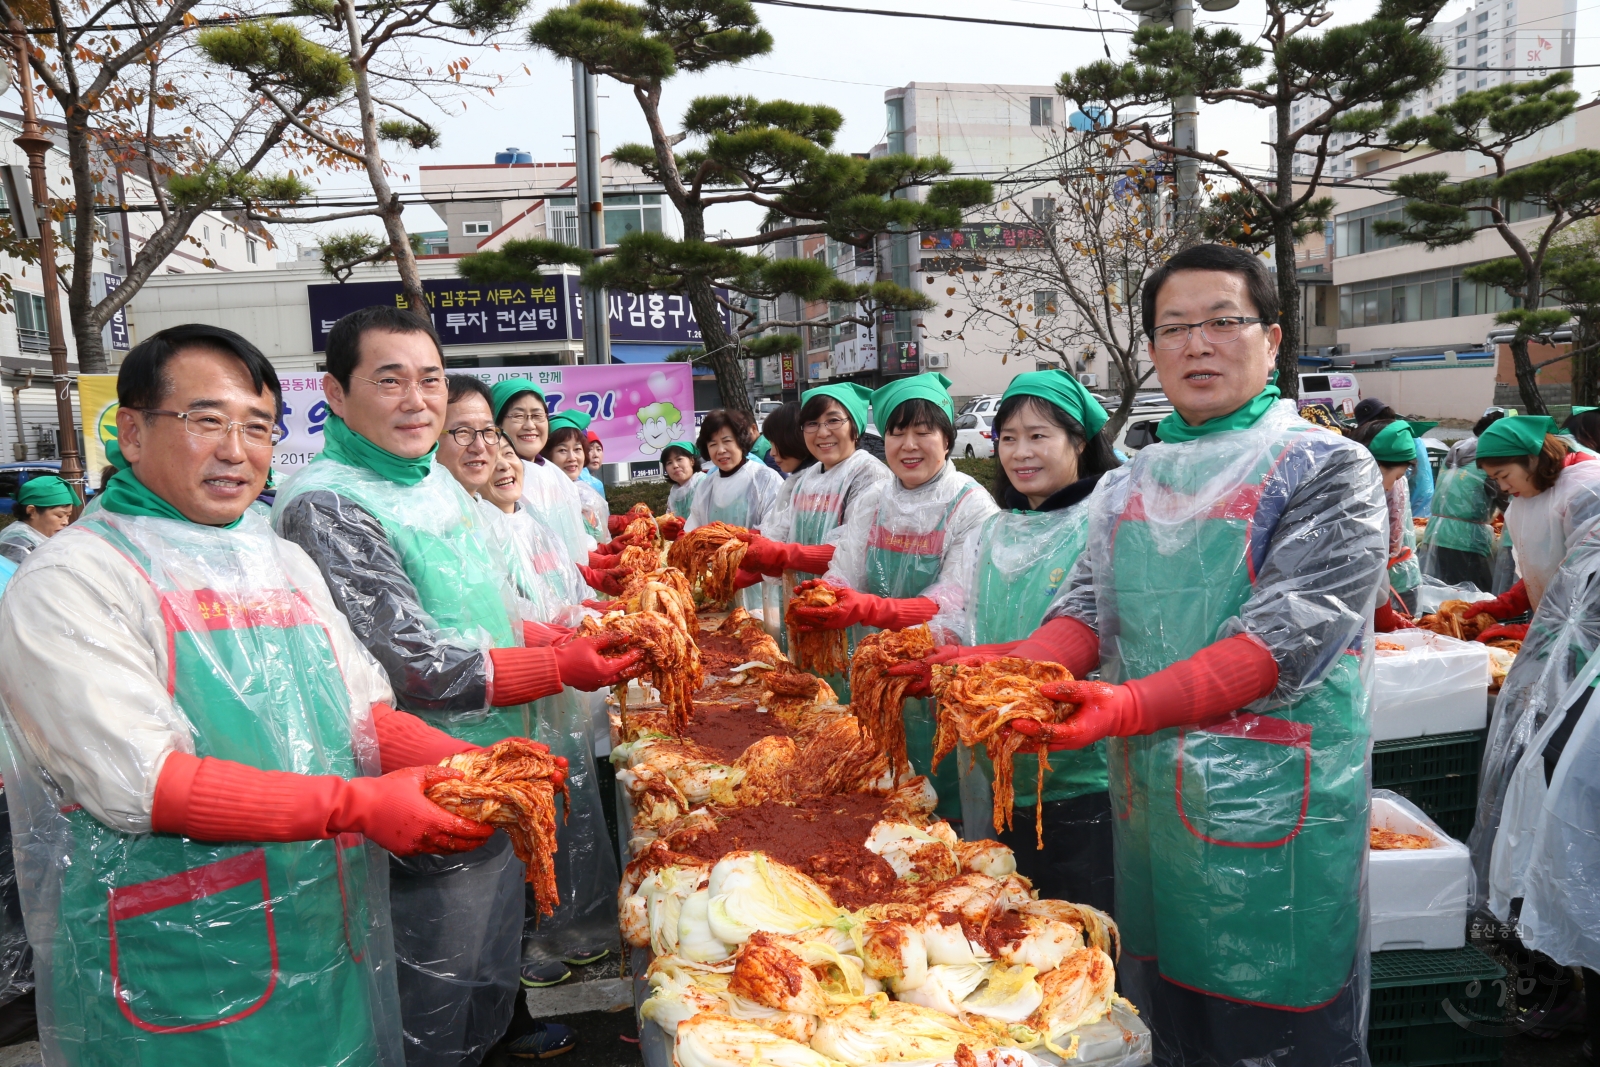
column 850, row 396
column 47, row 491
column 503, row 393
column 1420, row 426
column 688, row 446
column 1515, row 435
column 1577, row 409
column 1394, row 443
column 931, row 386
column 1064, row 391
column 577, row 419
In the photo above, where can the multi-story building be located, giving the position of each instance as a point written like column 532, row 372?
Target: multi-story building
column 1492, row 42
column 485, row 204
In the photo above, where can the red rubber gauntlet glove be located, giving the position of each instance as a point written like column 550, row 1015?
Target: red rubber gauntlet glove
column 1065, row 641
column 1386, row 620
column 543, row 634
column 583, row 664
column 1507, row 605
column 220, row 800
column 407, row 741
column 671, row 527
column 601, row 559
column 616, row 524
column 772, row 558
column 1517, row 631
column 886, row 613
column 920, row 671
column 522, row 675
column 601, row 581
column 1208, row 686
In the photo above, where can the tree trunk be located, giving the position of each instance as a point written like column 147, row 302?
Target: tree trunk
column 1586, row 365
column 372, row 156
column 721, row 345
column 1527, row 378
column 85, row 332
column 1283, row 251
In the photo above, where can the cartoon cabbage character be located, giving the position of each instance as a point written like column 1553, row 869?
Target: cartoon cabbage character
column 658, row 426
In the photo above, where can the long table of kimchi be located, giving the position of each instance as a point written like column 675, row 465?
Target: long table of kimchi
column 787, row 900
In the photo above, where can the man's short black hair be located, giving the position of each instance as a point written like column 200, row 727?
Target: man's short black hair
column 142, row 380
column 344, row 340
column 1225, row 259
column 460, row 386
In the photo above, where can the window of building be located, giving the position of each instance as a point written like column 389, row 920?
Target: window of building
column 1045, row 301
column 632, row 213
column 1436, row 294
column 224, row 238
column 206, row 232
column 32, row 333
column 561, row 220
column 1461, row 42
column 1483, row 18
column 250, row 252
column 1044, row 210
column 895, row 124
column 1041, row 111
column 476, row 229
column 1461, row 28
column 1483, row 49
column 1461, row 76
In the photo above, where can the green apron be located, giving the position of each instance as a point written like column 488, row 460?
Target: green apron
column 171, row 951
column 1255, row 829
column 441, row 539
column 1023, row 557
column 1461, row 512
column 900, row 566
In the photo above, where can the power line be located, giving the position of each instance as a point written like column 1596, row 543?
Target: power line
column 939, row 18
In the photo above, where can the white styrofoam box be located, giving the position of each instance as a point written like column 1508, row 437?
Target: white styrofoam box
column 1417, row 898
column 1437, row 686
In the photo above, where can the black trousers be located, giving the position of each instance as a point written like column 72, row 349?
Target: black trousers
column 1075, row 863
column 1452, row 566
column 1194, row 1029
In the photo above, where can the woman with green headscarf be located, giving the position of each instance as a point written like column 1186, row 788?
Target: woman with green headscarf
column 43, row 509
column 887, row 564
column 522, row 415
column 1555, row 498
column 1052, row 452
column 1394, row 446
column 680, row 463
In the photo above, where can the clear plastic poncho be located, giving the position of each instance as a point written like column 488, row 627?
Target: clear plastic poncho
column 544, row 575
column 1554, row 667
column 743, row 498
column 18, row 539
column 1241, row 848
column 1463, row 504
column 1542, row 527
column 595, row 511
column 553, row 499
column 680, row 498
column 146, row 636
column 816, row 503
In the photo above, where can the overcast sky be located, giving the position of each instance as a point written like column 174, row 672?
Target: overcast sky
column 847, row 61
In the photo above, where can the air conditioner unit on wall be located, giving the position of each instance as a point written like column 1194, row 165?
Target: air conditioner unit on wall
column 1089, row 379
column 936, row 361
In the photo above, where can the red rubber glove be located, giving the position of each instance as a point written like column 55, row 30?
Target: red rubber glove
column 886, row 613
column 671, row 527
column 220, row 800
column 602, row 560
column 920, row 675
column 616, row 524
column 1517, row 631
column 522, row 675
column 1065, row 641
column 543, row 634
column 583, row 663
column 1205, row 688
column 772, row 558
column 745, row 579
column 603, row 606
column 1386, row 620
column 601, row 581
column 1507, row 605
column 407, row 741
column 920, row 671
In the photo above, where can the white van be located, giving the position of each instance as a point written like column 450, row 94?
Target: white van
column 1337, row 391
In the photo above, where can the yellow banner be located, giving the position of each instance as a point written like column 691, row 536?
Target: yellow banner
column 97, row 395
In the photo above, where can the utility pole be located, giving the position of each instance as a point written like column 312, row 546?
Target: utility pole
column 36, row 143
column 591, row 209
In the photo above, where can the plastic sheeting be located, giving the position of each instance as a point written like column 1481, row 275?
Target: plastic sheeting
column 680, row 498
column 16, row 956
column 1543, row 527
column 1404, row 572
column 544, row 576
column 595, row 511
column 18, row 539
column 815, row 503
column 1242, row 848
column 1464, row 501
column 553, row 499
column 215, row 951
column 1533, row 839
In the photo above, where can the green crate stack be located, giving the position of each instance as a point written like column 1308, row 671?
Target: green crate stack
column 1438, row 774
column 1410, row 1025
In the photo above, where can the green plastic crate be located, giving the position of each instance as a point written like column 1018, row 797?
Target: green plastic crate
column 1409, row 1026
column 1438, row 774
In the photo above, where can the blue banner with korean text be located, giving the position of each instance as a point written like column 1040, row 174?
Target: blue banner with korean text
column 463, row 313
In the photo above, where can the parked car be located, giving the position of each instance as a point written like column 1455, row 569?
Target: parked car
column 975, row 435
column 12, row 475
column 987, row 404
column 765, row 408
column 1339, row 393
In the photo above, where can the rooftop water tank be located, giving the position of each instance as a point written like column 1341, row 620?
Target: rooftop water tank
column 513, row 155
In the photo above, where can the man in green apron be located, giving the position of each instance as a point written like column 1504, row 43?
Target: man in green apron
column 404, row 553
column 197, row 754
column 1225, row 593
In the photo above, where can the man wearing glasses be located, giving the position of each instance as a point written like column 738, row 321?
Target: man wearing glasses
column 204, row 760
column 1225, row 595
column 402, row 548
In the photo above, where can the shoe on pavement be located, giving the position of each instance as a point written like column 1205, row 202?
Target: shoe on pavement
column 587, row 955
column 546, row 1040
column 544, row 973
